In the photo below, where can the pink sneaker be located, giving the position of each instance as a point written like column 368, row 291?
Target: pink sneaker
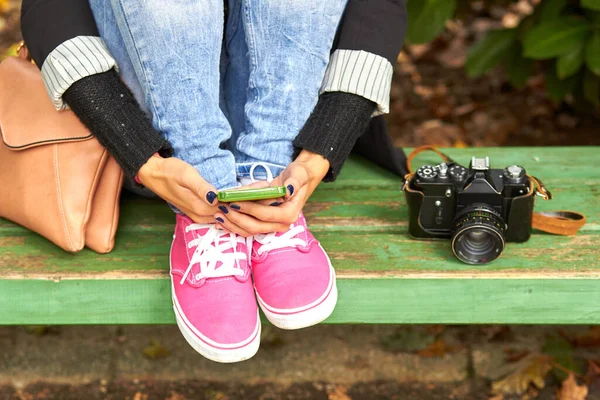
column 213, row 298
column 293, row 277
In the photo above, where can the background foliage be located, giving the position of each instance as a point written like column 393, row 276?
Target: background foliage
column 562, row 37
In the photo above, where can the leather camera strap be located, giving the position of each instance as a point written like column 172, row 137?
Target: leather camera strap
column 558, row 222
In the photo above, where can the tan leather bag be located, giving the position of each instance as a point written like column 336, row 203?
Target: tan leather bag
column 55, row 177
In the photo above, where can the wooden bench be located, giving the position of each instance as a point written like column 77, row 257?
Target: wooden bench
column 361, row 220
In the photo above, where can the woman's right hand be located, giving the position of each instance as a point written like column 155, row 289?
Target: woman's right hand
column 180, row 184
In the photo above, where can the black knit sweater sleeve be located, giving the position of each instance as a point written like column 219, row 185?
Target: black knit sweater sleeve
column 333, row 128
column 106, row 106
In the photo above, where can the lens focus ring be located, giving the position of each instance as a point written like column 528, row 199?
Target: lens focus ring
column 478, row 235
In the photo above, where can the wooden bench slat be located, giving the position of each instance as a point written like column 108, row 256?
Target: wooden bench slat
column 426, row 301
column 384, row 276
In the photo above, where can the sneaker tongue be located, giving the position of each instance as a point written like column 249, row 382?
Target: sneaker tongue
column 222, row 240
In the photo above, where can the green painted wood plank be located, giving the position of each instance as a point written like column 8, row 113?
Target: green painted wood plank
column 350, row 253
column 452, row 301
column 384, row 275
column 340, row 218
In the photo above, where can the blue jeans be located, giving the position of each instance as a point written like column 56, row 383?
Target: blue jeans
column 227, row 95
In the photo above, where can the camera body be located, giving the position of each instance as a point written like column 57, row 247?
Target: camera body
column 479, row 208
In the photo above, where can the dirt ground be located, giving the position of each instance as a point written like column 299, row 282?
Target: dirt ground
column 198, row 390
column 331, row 362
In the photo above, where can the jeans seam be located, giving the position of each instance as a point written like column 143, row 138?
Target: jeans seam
column 143, row 68
column 250, row 42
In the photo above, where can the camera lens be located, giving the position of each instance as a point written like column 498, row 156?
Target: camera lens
column 479, row 234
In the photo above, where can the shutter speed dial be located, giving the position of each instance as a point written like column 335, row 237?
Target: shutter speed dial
column 458, row 173
column 427, row 173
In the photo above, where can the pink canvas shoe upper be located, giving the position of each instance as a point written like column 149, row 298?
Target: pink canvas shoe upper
column 292, row 272
column 212, row 290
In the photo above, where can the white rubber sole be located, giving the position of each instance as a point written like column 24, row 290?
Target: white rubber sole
column 309, row 317
column 221, row 355
column 216, row 354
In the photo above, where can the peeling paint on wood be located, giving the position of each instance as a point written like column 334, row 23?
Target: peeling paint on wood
column 361, row 221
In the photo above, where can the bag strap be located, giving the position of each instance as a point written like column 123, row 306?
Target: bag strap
column 558, row 222
column 23, row 51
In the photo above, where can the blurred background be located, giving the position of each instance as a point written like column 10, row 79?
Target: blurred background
column 472, row 73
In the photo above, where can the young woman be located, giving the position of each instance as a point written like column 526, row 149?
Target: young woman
column 256, row 100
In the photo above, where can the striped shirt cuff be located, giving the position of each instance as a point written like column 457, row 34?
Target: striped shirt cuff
column 72, row 61
column 361, row 73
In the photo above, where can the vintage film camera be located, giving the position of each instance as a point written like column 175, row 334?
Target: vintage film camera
column 478, row 208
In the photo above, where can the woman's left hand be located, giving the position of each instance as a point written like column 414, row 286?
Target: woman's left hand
column 300, row 178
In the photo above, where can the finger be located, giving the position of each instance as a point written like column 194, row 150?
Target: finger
column 230, row 226
column 253, row 225
column 254, row 185
column 297, row 178
column 267, row 202
column 191, row 179
column 264, row 213
column 219, row 225
column 200, row 219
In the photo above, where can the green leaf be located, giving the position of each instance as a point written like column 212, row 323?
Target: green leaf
column 561, row 351
column 592, row 15
column 592, row 53
column 591, row 88
column 558, row 89
column 519, row 68
column 569, row 63
column 427, row 18
column 551, row 9
column 591, row 4
column 555, row 38
column 488, row 52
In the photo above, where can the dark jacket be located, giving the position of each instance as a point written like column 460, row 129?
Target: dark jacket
column 373, row 26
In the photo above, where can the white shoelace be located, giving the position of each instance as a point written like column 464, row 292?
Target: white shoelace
column 210, row 250
column 271, row 241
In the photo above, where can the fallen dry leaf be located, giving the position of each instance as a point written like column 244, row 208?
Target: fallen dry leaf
column 175, row 396
column 156, row 350
column 497, row 397
column 435, row 329
column 140, row 396
column 339, row 393
column 531, row 394
column 513, row 355
column 459, row 144
column 570, row 390
column 531, row 370
column 4, row 5
column 436, row 349
column 593, row 369
column 590, row 339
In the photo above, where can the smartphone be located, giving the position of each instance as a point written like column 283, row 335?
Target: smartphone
column 228, row 196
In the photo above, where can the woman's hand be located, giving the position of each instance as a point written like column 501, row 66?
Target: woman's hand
column 301, row 178
column 181, row 185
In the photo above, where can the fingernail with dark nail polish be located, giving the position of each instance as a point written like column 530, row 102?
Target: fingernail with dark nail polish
column 220, row 220
column 211, row 196
column 224, row 209
column 275, row 204
column 290, row 189
column 235, row 206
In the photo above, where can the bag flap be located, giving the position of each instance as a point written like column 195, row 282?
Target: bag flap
column 27, row 116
